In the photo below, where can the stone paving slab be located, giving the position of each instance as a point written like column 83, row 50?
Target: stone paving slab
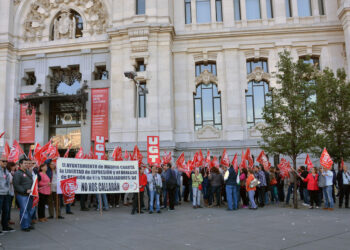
column 268, row 228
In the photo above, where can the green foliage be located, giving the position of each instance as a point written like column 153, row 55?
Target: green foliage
column 290, row 120
column 333, row 113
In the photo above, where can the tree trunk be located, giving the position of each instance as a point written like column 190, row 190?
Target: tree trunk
column 295, row 195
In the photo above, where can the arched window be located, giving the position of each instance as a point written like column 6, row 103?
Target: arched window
column 256, row 94
column 67, row 24
column 210, row 66
column 207, row 106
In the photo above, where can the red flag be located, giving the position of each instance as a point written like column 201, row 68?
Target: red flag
column 30, row 154
column 284, row 168
column 126, row 155
column 262, row 159
column 67, row 152
column 200, row 158
column 136, row 155
column 207, row 159
column 35, row 192
column 308, row 163
column 215, row 162
column 225, row 160
column 7, row 150
column 342, row 164
column 15, row 153
column 91, row 154
column 180, row 162
column 37, row 148
column 326, row 160
column 235, row 163
column 2, row 134
column 80, row 154
column 166, row 158
column 249, row 157
column 117, row 154
column 68, row 187
column 243, row 163
column 41, row 156
column 186, row 168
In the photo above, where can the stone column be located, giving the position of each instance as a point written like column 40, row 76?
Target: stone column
column 295, row 11
column 193, row 11
column 344, row 17
column 227, row 12
column 243, row 13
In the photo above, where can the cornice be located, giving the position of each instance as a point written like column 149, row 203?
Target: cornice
column 124, row 30
column 259, row 32
column 6, row 45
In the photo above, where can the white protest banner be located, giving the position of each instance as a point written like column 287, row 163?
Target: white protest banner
column 98, row 177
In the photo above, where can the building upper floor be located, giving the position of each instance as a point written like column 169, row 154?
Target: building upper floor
column 27, row 23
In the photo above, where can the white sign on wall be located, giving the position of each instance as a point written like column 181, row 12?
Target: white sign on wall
column 95, row 176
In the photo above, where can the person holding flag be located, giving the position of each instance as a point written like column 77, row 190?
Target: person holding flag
column 22, row 182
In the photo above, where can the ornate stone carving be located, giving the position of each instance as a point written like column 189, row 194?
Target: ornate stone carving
column 139, row 40
column 35, row 22
column 64, row 26
column 208, row 132
column 258, row 74
column 68, row 76
column 206, row 77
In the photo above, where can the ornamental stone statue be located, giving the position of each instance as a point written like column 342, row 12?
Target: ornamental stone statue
column 64, row 26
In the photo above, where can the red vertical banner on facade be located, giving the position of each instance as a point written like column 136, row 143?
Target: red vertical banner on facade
column 153, row 156
column 27, row 124
column 100, row 147
column 99, row 113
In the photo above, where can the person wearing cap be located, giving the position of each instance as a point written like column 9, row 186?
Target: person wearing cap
column 22, row 182
column 4, row 196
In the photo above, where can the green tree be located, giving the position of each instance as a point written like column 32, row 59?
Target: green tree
column 333, row 113
column 290, row 121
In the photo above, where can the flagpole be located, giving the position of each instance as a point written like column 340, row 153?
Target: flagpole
column 57, row 206
column 100, row 198
column 25, row 209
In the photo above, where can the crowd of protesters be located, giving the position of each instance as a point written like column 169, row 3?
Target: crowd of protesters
column 165, row 187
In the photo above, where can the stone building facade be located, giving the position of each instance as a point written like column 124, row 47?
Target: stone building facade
column 207, row 65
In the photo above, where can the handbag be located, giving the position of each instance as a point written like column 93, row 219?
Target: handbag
column 254, row 183
column 200, row 187
column 158, row 189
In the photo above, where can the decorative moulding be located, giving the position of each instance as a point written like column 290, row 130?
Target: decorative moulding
column 208, row 132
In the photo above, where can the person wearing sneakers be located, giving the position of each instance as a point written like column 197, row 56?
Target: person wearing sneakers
column 4, row 196
column 312, row 187
column 155, row 185
column 197, row 180
column 327, row 190
column 44, row 186
column 22, row 182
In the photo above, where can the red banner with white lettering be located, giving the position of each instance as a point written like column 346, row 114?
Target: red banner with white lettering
column 99, row 113
column 100, row 147
column 68, row 187
column 153, row 156
column 27, row 124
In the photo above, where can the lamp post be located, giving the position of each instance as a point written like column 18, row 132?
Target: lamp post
column 131, row 75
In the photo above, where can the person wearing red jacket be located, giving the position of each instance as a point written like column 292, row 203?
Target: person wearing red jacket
column 142, row 185
column 312, row 187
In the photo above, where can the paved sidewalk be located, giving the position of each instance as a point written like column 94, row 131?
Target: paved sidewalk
column 269, row 228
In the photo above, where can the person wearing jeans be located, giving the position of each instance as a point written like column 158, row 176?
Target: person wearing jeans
column 231, row 189
column 155, row 184
column 197, row 180
column 251, row 190
column 327, row 190
column 22, row 182
column 104, row 201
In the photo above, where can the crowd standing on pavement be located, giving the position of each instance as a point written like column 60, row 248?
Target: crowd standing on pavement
column 164, row 187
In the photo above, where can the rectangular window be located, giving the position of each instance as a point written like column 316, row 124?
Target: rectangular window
column 140, row 7
column 269, row 9
column 237, row 9
column 188, row 15
column 203, row 11
column 218, row 6
column 321, row 7
column 304, row 8
column 253, row 9
column 140, row 65
column 288, row 8
column 142, row 101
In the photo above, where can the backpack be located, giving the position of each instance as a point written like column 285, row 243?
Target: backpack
column 172, row 182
